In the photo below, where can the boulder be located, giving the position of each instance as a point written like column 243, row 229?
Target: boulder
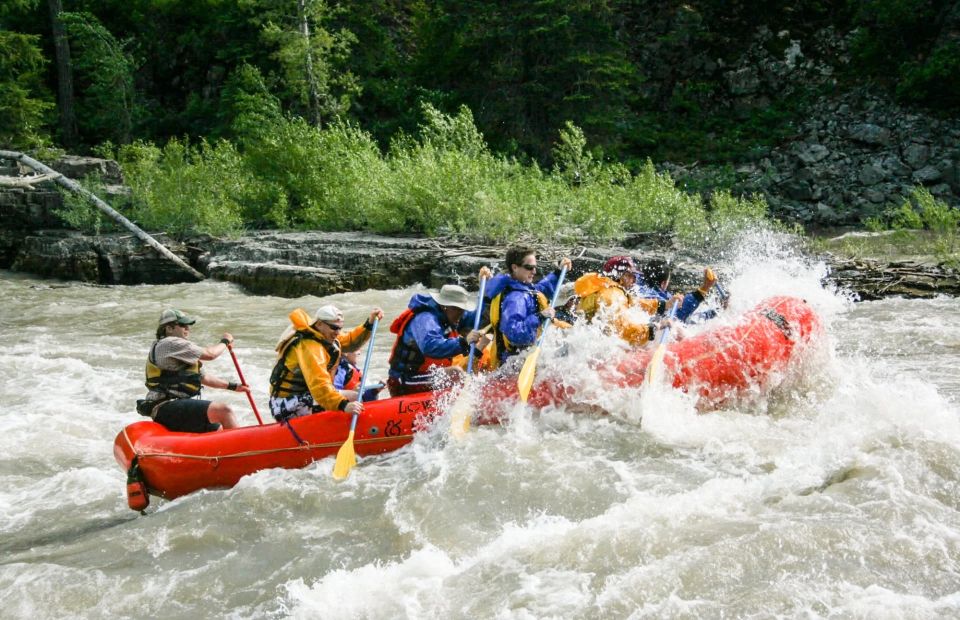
column 870, row 134
column 77, row 167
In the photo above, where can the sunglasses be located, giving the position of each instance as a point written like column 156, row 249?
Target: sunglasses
column 529, row 267
column 333, row 326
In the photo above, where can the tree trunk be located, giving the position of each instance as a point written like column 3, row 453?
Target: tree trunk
column 107, row 209
column 68, row 118
column 314, row 96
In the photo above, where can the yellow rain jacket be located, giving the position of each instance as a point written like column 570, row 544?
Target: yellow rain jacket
column 306, row 362
column 597, row 291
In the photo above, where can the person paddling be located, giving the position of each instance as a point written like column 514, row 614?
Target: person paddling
column 348, row 377
column 174, row 378
column 608, row 291
column 429, row 338
column 518, row 306
column 308, row 354
column 653, row 280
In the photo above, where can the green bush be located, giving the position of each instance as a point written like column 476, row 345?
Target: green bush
column 184, row 189
column 79, row 213
column 443, row 180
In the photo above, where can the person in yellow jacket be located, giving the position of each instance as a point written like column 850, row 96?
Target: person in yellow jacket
column 308, row 354
column 608, row 291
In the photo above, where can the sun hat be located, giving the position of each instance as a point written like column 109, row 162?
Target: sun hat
column 175, row 316
column 328, row 313
column 453, row 295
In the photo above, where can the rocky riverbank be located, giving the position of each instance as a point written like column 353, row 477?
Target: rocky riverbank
column 291, row 264
column 33, row 239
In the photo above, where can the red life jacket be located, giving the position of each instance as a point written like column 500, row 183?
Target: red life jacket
column 352, row 378
column 406, row 358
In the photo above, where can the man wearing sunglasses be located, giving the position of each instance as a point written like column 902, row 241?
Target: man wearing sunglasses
column 308, row 354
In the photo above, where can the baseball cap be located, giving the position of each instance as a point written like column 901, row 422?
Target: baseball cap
column 171, row 315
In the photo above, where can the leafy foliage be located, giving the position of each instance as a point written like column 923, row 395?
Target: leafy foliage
column 80, row 214
column 443, row 180
column 103, row 75
column 187, row 189
column 311, row 58
column 899, row 41
column 24, row 104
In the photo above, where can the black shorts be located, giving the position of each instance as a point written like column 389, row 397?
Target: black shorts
column 185, row 415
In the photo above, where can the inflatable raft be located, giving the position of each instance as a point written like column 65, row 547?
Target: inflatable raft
column 717, row 365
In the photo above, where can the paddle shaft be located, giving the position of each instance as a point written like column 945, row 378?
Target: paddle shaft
column 476, row 324
column 657, row 357
column 243, row 381
column 553, row 301
column 666, row 330
column 529, row 369
column 363, row 375
column 722, row 292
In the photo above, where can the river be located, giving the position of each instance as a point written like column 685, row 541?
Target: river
column 837, row 495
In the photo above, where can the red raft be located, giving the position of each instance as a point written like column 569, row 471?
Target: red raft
column 716, row 365
column 173, row 464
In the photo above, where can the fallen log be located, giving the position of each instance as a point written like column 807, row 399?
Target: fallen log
column 75, row 187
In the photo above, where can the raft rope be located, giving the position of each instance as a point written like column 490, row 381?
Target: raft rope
column 299, row 440
column 305, row 446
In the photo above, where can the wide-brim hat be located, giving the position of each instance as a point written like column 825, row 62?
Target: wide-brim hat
column 170, row 315
column 453, row 295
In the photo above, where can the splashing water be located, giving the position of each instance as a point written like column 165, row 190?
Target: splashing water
column 835, row 494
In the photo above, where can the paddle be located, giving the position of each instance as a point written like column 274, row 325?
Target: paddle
column 346, row 457
column 460, row 416
column 529, row 370
column 654, row 366
column 243, row 381
column 721, row 292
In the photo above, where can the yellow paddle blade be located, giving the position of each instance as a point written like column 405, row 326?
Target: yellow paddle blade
column 527, row 374
column 346, row 459
column 653, row 368
column 460, row 418
column 462, row 410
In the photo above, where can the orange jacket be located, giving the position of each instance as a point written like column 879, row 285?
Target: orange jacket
column 596, row 292
column 316, row 361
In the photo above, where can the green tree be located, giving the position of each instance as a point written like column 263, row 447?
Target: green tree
column 103, row 73
column 310, row 56
column 526, row 66
column 24, row 104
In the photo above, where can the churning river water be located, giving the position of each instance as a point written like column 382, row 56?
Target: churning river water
column 836, row 495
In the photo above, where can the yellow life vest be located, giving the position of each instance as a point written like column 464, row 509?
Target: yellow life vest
column 183, row 383
column 286, row 381
column 589, row 287
column 500, row 341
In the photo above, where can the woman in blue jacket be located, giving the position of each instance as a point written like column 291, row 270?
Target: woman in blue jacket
column 518, row 307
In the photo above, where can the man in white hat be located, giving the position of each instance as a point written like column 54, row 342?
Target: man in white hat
column 174, row 379
column 428, row 337
column 308, row 354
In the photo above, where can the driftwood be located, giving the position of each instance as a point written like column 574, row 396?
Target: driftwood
column 51, row 174
column 28, row 181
